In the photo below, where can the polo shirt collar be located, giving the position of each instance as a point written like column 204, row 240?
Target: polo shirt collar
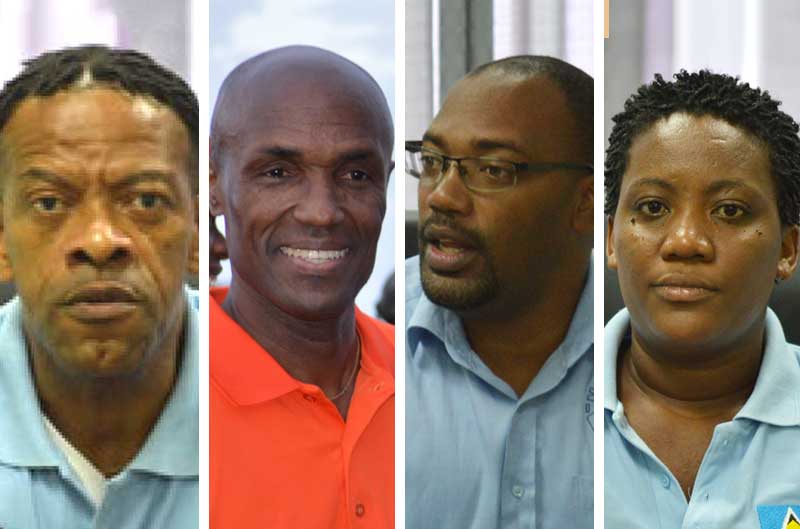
column 239, row 366
column 25, row 442
column 171, row 448
column 242, row 369
column 774, row 399
column 446, row 326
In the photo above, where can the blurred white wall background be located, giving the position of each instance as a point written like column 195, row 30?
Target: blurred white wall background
column 559, row 28
column 754, row 39
column 159, row 28
column 362, row 31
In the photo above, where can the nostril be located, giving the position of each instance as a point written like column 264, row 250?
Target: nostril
column 119, row 254
column 81, row 257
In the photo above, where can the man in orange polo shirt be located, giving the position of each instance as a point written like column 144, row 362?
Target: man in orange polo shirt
column 302, row 382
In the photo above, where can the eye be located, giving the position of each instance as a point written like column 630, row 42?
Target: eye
column 47, row 204
column 147, row 201
column 356, row 176
column 497, row 172
column 653, row 208
column 729, row 211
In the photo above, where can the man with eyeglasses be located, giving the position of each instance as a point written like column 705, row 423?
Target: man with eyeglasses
column 499, row 368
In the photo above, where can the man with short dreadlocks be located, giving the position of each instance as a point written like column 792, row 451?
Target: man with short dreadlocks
column 702, row 391
column 98, row 353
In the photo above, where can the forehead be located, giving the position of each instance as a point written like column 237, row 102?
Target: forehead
column 532, row 113
column 698, row 150
column 307, row 111
column 97, row 127
column 94, row 115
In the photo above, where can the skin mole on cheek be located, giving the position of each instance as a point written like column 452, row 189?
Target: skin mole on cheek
column 633, row 221
column 758, row 232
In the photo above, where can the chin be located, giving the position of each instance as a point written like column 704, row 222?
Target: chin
column 458, row 293
column 103, row 358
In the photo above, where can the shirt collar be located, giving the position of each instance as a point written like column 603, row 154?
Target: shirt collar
column 248, row 374
column 774, row 399
column 446, row 326
column 171, row 448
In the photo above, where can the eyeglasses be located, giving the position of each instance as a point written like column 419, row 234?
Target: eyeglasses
column 481, row 174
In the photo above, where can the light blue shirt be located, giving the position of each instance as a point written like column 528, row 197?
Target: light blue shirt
column 477, row 456
column 40, row 490
column 750, row 474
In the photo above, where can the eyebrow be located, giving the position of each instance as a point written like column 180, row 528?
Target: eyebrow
column 658, row 182
column 725, row 185
column 280, row 151
column 480, row 144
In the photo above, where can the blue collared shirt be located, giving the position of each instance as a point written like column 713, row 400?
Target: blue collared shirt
column 477, row 456
column 40, row 490
column 750, row 475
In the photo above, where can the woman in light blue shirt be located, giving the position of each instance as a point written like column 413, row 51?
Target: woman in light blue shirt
column 702, row 392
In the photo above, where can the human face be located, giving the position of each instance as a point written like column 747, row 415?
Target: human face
column 497, row 251
column 303, row 191
column 97, row 226
column 696, row 240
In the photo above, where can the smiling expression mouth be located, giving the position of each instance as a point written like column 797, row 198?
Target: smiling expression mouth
column 315, row 256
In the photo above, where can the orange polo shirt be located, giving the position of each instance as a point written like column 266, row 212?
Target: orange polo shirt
column 280, row 454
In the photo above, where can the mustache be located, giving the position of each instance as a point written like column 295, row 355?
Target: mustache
column 473, row 237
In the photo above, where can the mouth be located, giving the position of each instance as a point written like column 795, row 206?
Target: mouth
column 447, row 251
column 315, row 260
column 102, row 301
column 684, row 289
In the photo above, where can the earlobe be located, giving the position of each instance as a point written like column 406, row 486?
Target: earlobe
column 789, row 253
column 611, row 256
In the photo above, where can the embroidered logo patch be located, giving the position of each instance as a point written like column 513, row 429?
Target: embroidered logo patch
column 779, row 516
column 588, row 407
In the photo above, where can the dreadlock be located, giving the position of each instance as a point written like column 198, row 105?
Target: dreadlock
column 127, row 70
column 720, row 96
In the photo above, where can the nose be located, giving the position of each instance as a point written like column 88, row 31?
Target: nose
column 687, row 239
column 320, row 204
column 449, row 195
column 100, row 244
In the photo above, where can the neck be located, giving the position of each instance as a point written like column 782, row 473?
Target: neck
column 725, row 378
column 516, row 344
column 107, row 419
column 320, row 352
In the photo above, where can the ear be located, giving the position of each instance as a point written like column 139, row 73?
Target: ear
column 789, row 247
column 583, row 217
column 611, row 256
column 193, row 260
column 214, row 195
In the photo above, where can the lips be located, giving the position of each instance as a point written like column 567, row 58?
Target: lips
column 684, row 288
column 102, row 301
column 447, row 250
column 309, row 258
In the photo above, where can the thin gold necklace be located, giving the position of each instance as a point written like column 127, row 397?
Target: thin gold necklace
column 353, row 374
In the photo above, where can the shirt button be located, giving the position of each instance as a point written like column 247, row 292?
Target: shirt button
column 359, row 510
column 309, row 398
column 725, row 442
column 517, row 491
column 379, row 386
column 665, row 481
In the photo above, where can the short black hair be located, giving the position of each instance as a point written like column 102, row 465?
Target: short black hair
column 721, row 96
column 576, row 85
column 128, row 70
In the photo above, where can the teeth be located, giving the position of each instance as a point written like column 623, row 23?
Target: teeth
column 449, row 247
column 314, row 256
